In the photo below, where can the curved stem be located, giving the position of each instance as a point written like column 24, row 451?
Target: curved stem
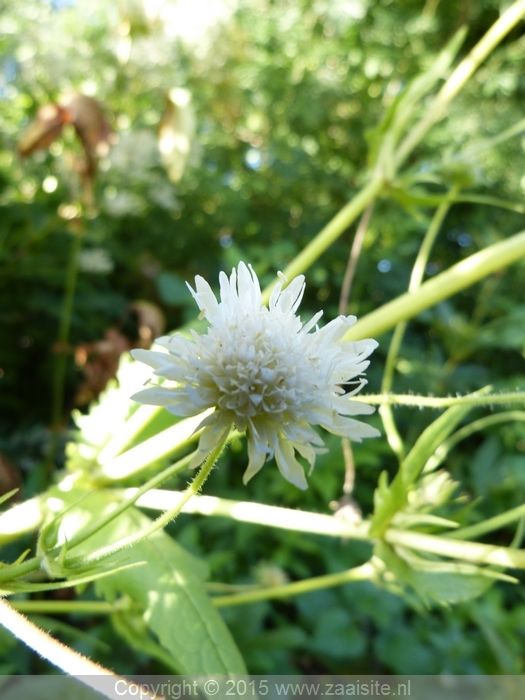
column 513, row 130
column 155, row 481
column 16, row 571
column 473, row 427
column 495, row 523
column 330, row 232
column 389, row 424
column 355, row 252
column 458, row 277
column 193, row 488
column 359, row 573
column 459, row 77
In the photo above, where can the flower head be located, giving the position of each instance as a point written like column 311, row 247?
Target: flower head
column 263, row 371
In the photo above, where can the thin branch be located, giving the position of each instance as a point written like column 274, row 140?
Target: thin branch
column 355, row 252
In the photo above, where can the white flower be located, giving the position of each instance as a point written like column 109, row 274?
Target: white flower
column 264, row 372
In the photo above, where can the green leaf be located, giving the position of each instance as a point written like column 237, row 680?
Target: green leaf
column 402, row 109
column 432, row 437
column 506, row 332
column 435, row 582
column 172, row 289
column 508, row 662
column 337, row 635
column 176, row 607
column 390, row 500
column 169, row 589
column 136, row 633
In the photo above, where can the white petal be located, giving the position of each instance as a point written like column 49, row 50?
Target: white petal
column 276, row 291
column 289, row 466
column 258, row 454
column 350, row 428
column 350, row 407
column 312, row 322
column 248, row 285
column 149, row 357
column 291, row 297
column 157, row 396
column 211, row 437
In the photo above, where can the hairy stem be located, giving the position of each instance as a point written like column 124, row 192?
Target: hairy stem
column 392, row 434
column 193, row 488
column 58, row 654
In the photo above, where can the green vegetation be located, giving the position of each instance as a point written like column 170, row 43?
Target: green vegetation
column 375, row 147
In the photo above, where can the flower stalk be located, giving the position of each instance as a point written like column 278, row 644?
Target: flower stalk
column 193, row 488
column 460, row 276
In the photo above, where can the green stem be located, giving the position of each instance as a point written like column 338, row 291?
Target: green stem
column 8, row 573
column 459, row 77
column 392, row 434
column 258, row 514
column 474, row 427
column 66, row 607
column 513, row 130
column 458, row 277
column 330, row 232
column 495, row 523
column 428, row 242
column 359, row 573
column 149, row 451
column 161, row 522
column 457, row 549
column 442, row 402
column 59, row 377
column 155, row 481
column 12, row 572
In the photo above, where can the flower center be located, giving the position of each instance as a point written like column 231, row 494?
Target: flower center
column 258, row 368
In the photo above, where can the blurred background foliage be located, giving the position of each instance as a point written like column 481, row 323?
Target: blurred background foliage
column 236, row 132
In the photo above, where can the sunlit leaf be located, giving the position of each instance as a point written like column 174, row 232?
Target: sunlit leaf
column 169, row 589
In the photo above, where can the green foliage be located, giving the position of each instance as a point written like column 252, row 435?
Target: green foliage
column 388, row 500
column 168, row 591
column 298, row 107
